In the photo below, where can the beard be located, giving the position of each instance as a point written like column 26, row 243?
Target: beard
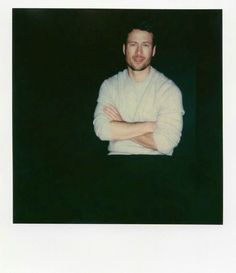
column 138, row 67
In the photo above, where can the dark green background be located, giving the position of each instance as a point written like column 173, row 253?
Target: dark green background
column 61, row 171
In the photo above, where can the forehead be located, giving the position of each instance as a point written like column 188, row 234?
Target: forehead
column 139, row 35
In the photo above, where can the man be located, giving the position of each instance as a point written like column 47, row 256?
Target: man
column 139, row 110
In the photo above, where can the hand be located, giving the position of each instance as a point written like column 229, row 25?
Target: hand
column 152, row 125
column 112, row 113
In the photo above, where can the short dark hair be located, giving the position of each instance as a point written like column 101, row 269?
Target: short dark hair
column 142, row 25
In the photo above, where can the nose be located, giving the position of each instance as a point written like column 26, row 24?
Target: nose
column 139, row 50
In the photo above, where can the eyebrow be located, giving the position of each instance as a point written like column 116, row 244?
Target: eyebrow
column 144, row 42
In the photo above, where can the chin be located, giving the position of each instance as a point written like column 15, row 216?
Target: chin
column 138, row 68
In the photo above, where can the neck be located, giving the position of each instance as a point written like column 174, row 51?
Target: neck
column 138, row 76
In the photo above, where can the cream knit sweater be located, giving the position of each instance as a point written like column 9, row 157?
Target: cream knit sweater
column 155, row 99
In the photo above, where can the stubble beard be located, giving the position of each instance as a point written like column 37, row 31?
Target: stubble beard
column 134, row 67
column 143, row 67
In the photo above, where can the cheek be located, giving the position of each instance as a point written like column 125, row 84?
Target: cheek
column 130, row 52
column 148, row 52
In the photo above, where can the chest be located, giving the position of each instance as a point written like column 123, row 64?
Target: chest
column 137, row 103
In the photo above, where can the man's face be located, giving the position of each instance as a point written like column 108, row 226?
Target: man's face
column 139, row 49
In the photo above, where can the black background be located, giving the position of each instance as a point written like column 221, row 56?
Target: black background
column 61, row 171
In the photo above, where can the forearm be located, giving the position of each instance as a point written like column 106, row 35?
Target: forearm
column 120, row 130
column 146, row 140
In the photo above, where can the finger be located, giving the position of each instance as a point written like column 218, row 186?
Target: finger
column 110, row 110
column 110, row 114
column 114, row 109
column 113, row 117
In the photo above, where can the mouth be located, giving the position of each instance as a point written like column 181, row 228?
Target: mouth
column 138, row 59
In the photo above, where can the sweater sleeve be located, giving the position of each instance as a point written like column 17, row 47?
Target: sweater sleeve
column 101, row 121
column 169, row 121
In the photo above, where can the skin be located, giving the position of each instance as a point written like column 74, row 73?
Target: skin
column 141, row 132
column 138, row 52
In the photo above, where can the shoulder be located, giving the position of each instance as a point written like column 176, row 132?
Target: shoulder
column 114, row 80
column 168, row 93
column 110, row 85
column 163, row 83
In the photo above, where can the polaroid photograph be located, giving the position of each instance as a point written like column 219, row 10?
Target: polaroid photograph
column 117, row 137
column 117, row 116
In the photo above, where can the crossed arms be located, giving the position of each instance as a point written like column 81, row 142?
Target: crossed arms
column 139, row 132
column 161, row 134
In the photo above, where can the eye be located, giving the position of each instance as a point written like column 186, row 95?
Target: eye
column 146, row 45
column 132, row 44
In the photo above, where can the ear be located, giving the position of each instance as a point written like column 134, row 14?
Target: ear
column 124, row 49
column 154, row 51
